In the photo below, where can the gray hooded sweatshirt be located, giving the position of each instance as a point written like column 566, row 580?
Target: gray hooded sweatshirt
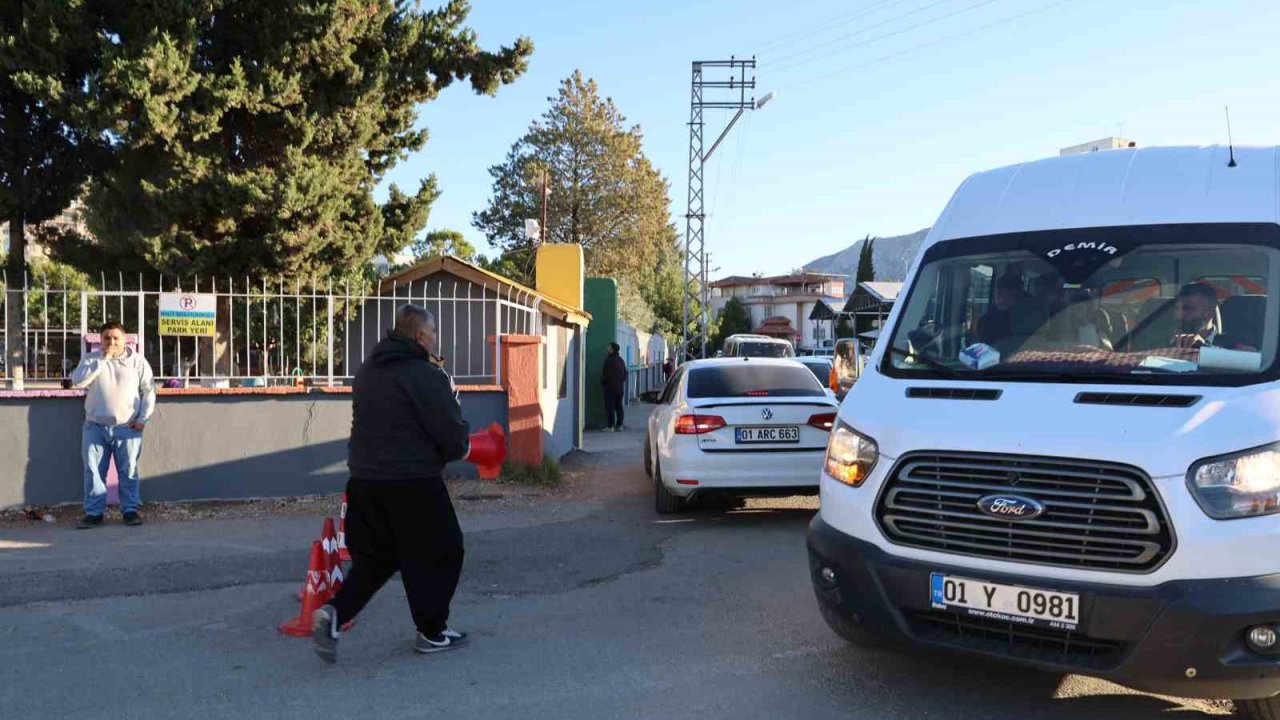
column 121, row 389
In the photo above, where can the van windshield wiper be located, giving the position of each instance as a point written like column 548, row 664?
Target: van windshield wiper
column 940, row 367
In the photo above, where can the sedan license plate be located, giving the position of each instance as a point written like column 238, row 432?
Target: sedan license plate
column 785, row 434
column 1011, row 603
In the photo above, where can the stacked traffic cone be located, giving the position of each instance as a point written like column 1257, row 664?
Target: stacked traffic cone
column 343, row 553
column 488, row 451
column 329, row 543
column 316, row 593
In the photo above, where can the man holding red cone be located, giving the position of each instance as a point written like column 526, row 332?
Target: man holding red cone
column 406, row 426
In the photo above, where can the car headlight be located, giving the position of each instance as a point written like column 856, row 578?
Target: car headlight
column 1245, row 484
column 850, row 456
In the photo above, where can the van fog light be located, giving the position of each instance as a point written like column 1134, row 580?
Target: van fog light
column 1262, row 639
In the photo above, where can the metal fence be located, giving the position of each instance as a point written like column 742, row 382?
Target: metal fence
column 268, row 332
column 642, row 379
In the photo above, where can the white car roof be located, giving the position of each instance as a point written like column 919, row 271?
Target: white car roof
column 1136, row 186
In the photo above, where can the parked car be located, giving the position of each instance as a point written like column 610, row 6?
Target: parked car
column 821, row 368
column 1063, row 452
column 737, row 427
column 744, row 345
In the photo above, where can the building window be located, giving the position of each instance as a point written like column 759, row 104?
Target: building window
column 768, row 310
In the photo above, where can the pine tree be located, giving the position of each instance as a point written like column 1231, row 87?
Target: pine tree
column 250, row 135
column 605, row 195
column 49, row 49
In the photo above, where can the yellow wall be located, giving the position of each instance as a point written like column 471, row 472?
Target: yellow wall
column 560, row 273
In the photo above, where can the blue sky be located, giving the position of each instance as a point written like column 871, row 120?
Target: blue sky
column 875, row 121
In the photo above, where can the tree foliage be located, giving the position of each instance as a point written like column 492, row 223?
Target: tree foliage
column 866, row 261
column 604, row 195
column 443, row 242
column 249, row 136
column 48, row 51
column 734, row 318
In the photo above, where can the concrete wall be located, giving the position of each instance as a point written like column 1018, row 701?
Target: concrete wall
column 202, row 446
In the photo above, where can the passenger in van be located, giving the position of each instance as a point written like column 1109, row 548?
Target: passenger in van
column 995, row 325
column 1047, row 288
column 1196, row 310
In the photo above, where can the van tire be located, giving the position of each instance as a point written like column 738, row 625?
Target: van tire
column 1264, row 709
column 648, row 456
column 664, row 501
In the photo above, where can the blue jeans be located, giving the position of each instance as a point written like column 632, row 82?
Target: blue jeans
column 98, row 445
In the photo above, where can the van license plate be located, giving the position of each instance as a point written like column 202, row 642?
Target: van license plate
column 1011, row 603
column 785, row 434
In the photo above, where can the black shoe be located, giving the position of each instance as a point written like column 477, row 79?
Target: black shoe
column 447, row 640
column 89, row 521
column 132, row 519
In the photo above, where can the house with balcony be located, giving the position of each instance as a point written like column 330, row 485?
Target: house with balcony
column 782, row 306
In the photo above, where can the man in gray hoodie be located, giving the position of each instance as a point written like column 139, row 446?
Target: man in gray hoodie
column 120, row 399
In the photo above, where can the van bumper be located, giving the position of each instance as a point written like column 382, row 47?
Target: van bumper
column 1183, row 638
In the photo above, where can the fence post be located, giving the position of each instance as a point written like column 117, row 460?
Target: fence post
column 329, row 303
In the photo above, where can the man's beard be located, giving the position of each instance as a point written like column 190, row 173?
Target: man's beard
column 1194, row 325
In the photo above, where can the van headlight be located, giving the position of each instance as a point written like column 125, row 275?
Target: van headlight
column 1244, row 484
column 850, row 455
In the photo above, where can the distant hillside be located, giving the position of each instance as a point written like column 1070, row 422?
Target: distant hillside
column 893, row 255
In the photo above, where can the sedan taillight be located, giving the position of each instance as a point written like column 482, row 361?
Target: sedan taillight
column 698, row 424
column 825, row 421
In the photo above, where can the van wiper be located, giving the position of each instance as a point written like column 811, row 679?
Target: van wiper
column 936, row 365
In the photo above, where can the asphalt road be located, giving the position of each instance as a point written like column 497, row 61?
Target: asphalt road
column 592, row 608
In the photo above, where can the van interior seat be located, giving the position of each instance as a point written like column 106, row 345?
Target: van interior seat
column 1242, row 316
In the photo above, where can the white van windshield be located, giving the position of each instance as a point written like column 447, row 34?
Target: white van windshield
column 1172, row 304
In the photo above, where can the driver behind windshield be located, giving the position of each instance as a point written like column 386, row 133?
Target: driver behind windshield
column 1196, row 310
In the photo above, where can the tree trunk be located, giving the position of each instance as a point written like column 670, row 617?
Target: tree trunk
column 214, row 359
column 14, row 317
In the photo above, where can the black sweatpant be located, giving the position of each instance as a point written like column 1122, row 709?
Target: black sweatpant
column 405, row 525
column 614, row 408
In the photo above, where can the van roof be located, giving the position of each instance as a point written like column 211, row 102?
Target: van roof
column 1138, row 186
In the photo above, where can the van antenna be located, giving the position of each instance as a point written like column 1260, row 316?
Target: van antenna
column 1231, row 148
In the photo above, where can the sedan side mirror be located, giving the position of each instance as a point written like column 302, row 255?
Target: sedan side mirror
column 650, row 396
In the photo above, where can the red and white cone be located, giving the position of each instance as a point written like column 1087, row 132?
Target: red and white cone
column 315, row 594
column 343, row 553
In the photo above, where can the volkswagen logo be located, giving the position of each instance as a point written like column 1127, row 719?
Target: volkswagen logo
column 767, row 414
column 1011, row 507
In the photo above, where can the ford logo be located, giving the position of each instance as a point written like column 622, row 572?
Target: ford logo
column 1011, row 507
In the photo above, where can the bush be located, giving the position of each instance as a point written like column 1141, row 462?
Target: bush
column 547, row 474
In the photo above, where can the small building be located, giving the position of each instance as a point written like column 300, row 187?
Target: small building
column 870, row 304
column 478, row 311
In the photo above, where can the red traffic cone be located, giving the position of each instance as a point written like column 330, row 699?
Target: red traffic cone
column 329, row 543
column 317, row 593
column 488, row 451
column 343, row 553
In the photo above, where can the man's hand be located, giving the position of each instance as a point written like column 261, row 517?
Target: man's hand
column 135, row 425
column 1189, row 340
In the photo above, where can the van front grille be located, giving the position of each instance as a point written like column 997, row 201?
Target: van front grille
column 1096, row 515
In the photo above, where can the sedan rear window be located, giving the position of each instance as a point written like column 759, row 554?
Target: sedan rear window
column 748, row 380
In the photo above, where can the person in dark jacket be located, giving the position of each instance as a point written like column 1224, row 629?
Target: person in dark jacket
column 406, row 425
column 614, row 381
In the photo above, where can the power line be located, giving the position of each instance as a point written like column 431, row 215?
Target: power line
column 901, row 31
column 825, row 26
column 931, row 43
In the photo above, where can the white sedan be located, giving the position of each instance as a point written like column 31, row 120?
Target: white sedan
column 737, row 427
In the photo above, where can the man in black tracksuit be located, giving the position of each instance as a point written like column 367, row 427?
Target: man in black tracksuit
column 614, row 381
column 406, row 425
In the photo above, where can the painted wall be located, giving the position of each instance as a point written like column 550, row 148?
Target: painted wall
column 559, row 365
column 202, row 446
column 601, row 299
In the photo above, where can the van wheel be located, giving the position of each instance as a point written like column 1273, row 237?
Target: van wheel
column 648, row 456
column 664, row 501
column 1264, row 709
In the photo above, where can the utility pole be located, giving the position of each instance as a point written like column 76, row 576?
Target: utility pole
column 543, row 239
column 722, row 94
